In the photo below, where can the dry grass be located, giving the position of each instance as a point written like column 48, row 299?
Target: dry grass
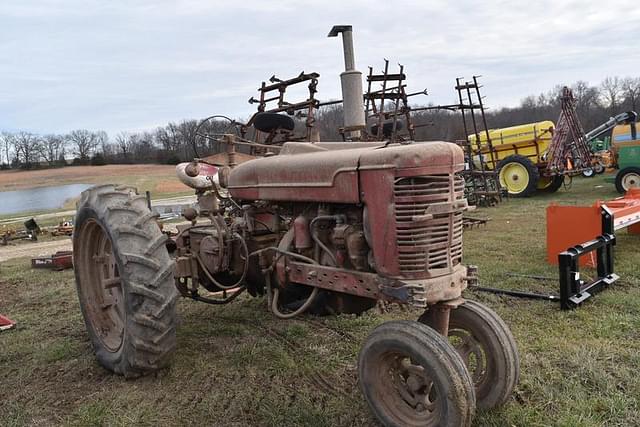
column 17, row 180
column 237, row 365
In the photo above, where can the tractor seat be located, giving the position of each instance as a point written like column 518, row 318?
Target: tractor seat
column 387, row 128
column 269, row 122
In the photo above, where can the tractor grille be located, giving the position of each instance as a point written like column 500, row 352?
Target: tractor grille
column 428, row 245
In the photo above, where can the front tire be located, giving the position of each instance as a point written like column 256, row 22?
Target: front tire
column 411, row 376
column 124, row 278
column 488, row 349
column 518, row 175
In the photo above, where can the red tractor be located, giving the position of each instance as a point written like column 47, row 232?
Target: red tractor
column 319, row 228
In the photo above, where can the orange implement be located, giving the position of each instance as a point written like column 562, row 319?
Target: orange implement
column 568, row 226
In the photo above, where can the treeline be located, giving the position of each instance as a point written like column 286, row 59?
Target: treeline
column 168, row 144
column 594, row 104
column 177, row 142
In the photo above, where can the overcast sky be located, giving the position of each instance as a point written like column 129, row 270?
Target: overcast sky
column 137, row 64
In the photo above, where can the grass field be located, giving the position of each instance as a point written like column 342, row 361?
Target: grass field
column 236, row 365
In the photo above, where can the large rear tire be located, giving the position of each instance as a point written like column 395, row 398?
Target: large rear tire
column 627, row 178
column 124, row 278
column 550, row 184
column 411, row 376
column 488, row 349
column 518, row 175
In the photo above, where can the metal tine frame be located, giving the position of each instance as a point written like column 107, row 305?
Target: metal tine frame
column 311, row 104
column 484, row 187
column 397, row 93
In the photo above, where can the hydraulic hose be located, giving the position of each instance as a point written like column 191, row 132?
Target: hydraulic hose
column 274, row 294
column 317, row 239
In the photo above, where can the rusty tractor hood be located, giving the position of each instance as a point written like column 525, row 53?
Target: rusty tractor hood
column 329, row 172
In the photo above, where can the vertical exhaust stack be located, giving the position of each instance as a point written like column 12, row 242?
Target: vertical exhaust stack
column 351, row 80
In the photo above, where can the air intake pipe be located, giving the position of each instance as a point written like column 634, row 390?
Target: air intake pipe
column 351, row 80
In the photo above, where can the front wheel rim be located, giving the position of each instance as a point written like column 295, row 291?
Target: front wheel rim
column 405, row 389
column 473, row 353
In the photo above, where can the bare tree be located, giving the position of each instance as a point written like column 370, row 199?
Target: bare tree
column 586, row 96
column 553, row 97
column 611, row 93
column 51, row 148
column 27, row 148
column 631, row 91
column 187, row 135
column 7, row 146
column 168, row 137
column 145, row 147
column 102, row 140
column 106, row 148
column 84, row 143
column 124, row 145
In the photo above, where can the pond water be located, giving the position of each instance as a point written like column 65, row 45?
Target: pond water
column 36, row 199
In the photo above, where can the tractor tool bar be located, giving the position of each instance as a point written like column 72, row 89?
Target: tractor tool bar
column 573, row 290
column 569, row 225
column 518, row 294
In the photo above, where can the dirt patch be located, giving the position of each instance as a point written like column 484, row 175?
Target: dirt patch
column 33, row 249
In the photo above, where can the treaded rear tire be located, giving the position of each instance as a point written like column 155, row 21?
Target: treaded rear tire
column 620, row 186
column 146, row 290
column 555, row 185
